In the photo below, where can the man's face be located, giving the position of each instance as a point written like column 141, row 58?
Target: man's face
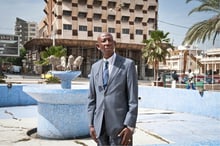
column 106, row 44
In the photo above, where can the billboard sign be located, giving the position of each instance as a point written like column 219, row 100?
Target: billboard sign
column 9, row 45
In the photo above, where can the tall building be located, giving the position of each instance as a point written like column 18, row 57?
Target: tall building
column 75, row 24
column 25, row 30
column 129, row 20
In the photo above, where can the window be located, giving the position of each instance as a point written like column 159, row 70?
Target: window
column 82, row 15
column 68, row 1
column 97, row 29
column 67, row 13
column 151, row 20
column 82, row 2
column 97, row 3
column 138, row 20
column 67, row 27
column 139, row 31
column 175, row 64
column 111, row 30
column 151, row 8
column 32, row 25
column 111, row 17
column 82, row 28
column 125, row 31
column 138, row 7
column 97, row 16
column 150, row 31
column 111, row 5
column 125, row 6
column 124, row 18
column 131, row 36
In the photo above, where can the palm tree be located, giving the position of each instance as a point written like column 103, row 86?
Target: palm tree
column 57, row 51
column 156, row 49
column 206, row 29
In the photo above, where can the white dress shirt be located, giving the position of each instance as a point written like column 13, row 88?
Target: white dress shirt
column 111, row 61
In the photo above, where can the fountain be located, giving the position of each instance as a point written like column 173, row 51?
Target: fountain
column 66, row 77
column 62, row 113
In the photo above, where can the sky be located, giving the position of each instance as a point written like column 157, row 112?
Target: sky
column 172, row 17
column 28, row 10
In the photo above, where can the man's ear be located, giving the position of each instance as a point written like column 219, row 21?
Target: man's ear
column 97, row 46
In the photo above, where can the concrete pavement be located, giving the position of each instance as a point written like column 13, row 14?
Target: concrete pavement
column 15, row 122
column 154, row 127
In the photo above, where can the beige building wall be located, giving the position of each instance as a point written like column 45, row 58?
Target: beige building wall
column 129, row 21
column 140, row 15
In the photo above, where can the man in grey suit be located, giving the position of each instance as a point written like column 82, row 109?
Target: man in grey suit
column 112, row 104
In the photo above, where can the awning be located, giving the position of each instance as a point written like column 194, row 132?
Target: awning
column 71, row 42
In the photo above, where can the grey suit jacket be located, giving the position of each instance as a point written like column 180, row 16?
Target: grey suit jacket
column 118, row 103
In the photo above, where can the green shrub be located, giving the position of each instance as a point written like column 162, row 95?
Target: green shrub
column 52, row 80
column 2, row 81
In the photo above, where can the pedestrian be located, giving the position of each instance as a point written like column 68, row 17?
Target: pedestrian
column 190, row 84
column 112, row 102
column 175, row 78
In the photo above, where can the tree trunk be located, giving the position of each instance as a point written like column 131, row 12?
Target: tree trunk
column 156, row 72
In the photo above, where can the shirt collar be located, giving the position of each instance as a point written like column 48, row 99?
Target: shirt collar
column 110, row 59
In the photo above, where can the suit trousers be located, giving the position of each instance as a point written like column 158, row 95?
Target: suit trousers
column 106, row 140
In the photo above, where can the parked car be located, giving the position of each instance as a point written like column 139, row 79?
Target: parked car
column 47, row 75
column 184, row 79
column 6, row 66
column 15, row 69
column 198, row 78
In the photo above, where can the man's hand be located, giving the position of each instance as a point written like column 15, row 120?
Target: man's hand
column 126, row 135
column 93, row 133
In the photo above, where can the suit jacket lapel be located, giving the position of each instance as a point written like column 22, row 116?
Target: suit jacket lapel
column 115, row 69
column 98, row 75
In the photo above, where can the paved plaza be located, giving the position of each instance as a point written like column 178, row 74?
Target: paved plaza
column 154, row 127
column 17, row 121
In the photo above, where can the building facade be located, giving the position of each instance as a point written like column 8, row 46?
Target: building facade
column 75, row 24
column 201, row 62
column 25, row 30
column 211, row 61
column 183, row 58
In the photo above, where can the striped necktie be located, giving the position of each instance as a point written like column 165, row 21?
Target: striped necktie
column 105, row 74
